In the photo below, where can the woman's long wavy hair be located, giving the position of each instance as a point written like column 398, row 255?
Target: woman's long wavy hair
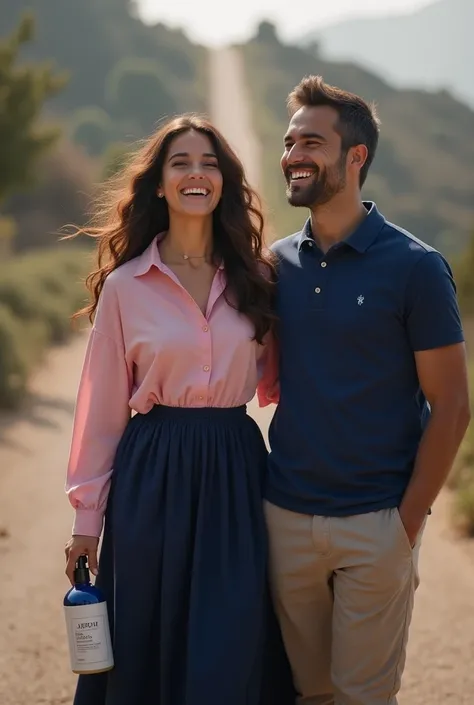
column 129, row 215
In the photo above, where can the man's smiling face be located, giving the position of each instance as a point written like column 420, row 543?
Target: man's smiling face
column 313, row 162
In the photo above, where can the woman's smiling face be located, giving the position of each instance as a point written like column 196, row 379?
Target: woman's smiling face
column 191, row 180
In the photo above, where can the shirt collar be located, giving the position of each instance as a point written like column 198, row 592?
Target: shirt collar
column 362, row 237
column 151, row 258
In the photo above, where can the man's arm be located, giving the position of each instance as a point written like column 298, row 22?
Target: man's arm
column 435, row 334
column 443, row 378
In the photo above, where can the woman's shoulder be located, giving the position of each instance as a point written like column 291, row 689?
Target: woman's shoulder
column 117, row 287
column 121, row 276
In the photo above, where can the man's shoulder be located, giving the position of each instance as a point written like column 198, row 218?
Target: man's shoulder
column 285, row 245
column 414, row 260
column 406, row 243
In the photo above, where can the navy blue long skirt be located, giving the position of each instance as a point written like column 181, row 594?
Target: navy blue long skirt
column 183, row 566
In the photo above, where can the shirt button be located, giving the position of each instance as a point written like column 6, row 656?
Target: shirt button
column 200, row 398
column 317, row 290
column 206, row 368
column 205, row 328
column 324, row 264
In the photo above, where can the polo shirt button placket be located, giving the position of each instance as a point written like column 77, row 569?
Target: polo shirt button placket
column 318, row 290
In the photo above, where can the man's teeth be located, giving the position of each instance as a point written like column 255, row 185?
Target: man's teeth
column 195, row 192
column 300, row 175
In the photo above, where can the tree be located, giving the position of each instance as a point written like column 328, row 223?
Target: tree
column 464, row 275
column 266, row 32
column 61, row 198
column 138, row 95
column 23, row 91
column 91, row 128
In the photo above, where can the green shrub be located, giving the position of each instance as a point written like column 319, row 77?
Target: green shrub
column 138, row 92
column 7, row 234
column 114, row 159
column 38, row 294
column 91, row 128
column 463, row 269
column 61, row 197
column 14, row 367
column 463, row 509
column 461, row 479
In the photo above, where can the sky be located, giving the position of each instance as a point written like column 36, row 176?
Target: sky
column 217, row 22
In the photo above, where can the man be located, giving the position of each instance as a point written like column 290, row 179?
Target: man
column 373, row 407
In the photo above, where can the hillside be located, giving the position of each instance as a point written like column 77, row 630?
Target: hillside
column 422, row 176
column 431, row 48
column 123, row 77
column 93, row 39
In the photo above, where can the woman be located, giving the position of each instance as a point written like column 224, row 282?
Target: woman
column 182, row 323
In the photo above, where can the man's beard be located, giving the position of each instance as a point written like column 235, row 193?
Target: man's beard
column 324, row 186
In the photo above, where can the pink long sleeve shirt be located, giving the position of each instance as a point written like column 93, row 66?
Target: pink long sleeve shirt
column 150, row 344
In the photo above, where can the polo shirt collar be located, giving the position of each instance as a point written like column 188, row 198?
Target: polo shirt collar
column 362, row 237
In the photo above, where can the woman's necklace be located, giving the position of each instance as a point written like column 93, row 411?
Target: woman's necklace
column 184, row 256
column 194, row 261
column 193, row 256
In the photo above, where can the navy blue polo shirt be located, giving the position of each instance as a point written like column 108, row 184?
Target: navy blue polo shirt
column 346, row 431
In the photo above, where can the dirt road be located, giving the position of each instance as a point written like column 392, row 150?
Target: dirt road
column 230, row 109
column 34, row 525
column 35, row 521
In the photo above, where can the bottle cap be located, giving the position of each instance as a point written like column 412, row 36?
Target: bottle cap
column 81, row 571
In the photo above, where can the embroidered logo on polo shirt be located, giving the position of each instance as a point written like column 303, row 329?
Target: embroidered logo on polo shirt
column 360, row 300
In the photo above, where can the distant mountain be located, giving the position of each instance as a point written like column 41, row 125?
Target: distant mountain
column 423, row 174
column 432, row 48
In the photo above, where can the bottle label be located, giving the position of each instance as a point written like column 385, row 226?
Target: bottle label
column 90, row 646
